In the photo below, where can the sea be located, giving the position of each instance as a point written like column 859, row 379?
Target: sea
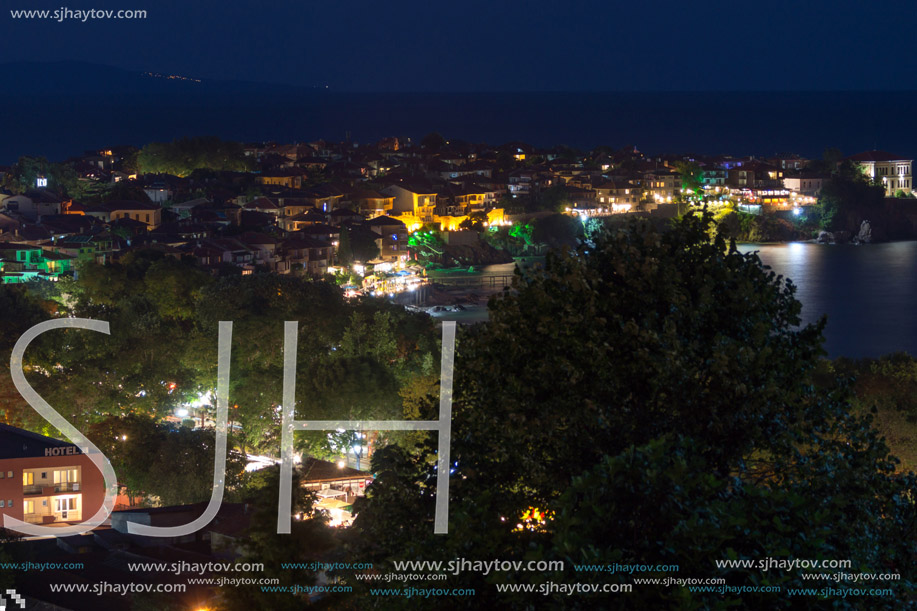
column 866, row 293
column 61, row 125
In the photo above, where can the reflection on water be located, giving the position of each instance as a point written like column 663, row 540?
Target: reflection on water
column 867, row 292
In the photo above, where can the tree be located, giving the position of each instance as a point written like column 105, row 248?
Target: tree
column 690, row 173
column 22, row 313
column 433, row 141
column 555, row 199
column 363, row 245
column 832, row 156
column 848, row 197
column 309, row 538
column 474, row 222
column 62, row 178
column 558, row 230
column 186, row 473
column 345, row 251
column 651, row 401
column 183, row 156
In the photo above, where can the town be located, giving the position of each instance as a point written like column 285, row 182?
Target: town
column 359, row 243
column 378, row 216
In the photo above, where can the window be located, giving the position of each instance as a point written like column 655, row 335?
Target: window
column 28, row 478
column 1, row 504
column 1, row 474
column 44, row 475
column 9, row 503
column 65, row 476
column 28, row 507
column 9, row 474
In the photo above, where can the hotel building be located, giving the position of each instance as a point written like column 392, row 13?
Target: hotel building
column 46, row 481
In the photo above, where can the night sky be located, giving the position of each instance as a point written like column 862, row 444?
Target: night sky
column 493, row 45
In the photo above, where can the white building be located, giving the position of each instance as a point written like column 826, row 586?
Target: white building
column 806, row 185
column 894, row 171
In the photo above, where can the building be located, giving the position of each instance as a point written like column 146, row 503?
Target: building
column 393, row 238
column 371, row 203
column 46, row 481
column 143, row 212
column 755, row 175
column 894, row 171
column 618, row 196
column 418, row 200
column 336, row 487
column 661, row 185
column 306, row 255
column 805, row 184
column 24, row 262
column 34, row 204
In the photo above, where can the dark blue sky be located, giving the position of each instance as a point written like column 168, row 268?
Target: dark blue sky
column 493, row 45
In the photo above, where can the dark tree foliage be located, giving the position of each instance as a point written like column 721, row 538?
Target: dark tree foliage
column 433, row 141
column 183, row 156
column 308, row 540
column 184, row 471
column 363, row 244
column 655, row 399
column 61, row 177
column 558, row 230
column 848, row 198
column 345, row 251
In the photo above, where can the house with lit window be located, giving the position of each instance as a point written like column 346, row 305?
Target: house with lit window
column 892, row 170
column 25, row 262
column 46, row 481
column 755, row 175
column 306, row 255
column 661, row 185
column 34, row 204
column 371, row 203
column 414, row 199
column 616, row 196
column 144, row 212
column 393, row 237
column 324, row 197
column 804, row 183
column 291, row 178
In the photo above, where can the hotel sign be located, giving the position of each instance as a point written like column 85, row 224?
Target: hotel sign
column 66, row 451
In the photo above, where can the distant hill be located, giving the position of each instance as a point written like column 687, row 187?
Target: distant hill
column 81, row 78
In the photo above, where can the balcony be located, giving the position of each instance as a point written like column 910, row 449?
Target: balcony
column 53, row 489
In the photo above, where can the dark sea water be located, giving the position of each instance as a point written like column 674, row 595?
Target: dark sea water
column 869, row 293
column 60, row 125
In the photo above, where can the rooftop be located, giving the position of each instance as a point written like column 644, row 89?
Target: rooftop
column 19, row 443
